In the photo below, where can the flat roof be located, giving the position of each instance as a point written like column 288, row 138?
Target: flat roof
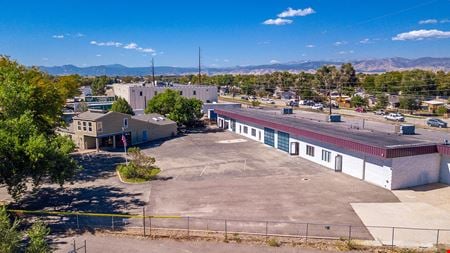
column 154, row 118
column 334, row 133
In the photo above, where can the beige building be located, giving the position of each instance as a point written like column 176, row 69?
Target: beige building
column 138, row 94
column 96, row 130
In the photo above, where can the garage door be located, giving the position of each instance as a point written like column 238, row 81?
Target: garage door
column 378, row 175
column 269, row 137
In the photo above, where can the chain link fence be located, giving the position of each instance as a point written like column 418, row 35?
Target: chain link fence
column 148, row 225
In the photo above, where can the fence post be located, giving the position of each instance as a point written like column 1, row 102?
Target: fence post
column 78, row 223
column 267, row 230
column 74, row 246
column 393, row 232
column 85, row 249
column 150, row 219
column 143, row 218
column 188, row 226
column 437, row 238
column 307, row 229
column 350, row 233
column 112, row 222
column 226, row 237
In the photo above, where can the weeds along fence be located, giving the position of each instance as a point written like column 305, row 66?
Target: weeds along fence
column 231, row 229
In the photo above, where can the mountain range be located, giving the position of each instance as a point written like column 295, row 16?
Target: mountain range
column 366, row 66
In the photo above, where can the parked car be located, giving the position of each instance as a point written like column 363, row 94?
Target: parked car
column 395, row 117
column 244, row 97
column 309, row 103
column 433, row 122
column 270, row 101
column 292, row 102
column 379, row 112
column 360, row 109
column 317, row 106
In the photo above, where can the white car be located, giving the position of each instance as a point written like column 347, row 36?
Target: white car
column 317, row 106
column 395, row 117
column 270, row 101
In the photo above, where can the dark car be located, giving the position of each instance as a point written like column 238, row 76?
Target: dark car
column 360, row 109
column 436, row 123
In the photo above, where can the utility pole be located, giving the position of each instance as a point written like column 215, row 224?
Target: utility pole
column 199, row 66
column 153, row 71
column 329, row 97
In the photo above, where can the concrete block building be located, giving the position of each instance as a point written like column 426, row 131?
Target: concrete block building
column 390, row 161
column 96, row 130
column 138, row 94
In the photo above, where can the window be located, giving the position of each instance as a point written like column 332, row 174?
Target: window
column 125, row 122
column 156, row 93
column 181, row 92
column 90, row 126
column 194, row 92
column 269, row 136
column 99, row 127
column 326, row 155
column 79, row 125
column 309, row 150
column 140, row 93
column 84, row 126
column 253, row 132
column 283, row 141
column 245, row 129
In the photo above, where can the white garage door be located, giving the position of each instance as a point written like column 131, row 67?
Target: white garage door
column 352, row 166
column 378, row 175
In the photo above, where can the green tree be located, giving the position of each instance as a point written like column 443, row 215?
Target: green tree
column 162, row 103
column 10, row 235
column 121, row 105
column 382, row 101
column 38, row 242
column 30, row 150
column 347, row 77
column 186, row 111
column 69, row 86
column 409, row 103
column 82, row 107
column 99, row 85
column 358, row 101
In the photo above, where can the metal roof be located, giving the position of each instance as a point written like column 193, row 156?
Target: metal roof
column 90, row 116
column 369, row 142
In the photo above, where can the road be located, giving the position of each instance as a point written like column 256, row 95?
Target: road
column 368, row 120
column 119, row 244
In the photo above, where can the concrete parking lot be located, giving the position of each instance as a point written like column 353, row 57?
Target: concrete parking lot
column 223, row 175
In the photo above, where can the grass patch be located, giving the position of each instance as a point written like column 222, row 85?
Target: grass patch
column 348, row 245
column 133, row 174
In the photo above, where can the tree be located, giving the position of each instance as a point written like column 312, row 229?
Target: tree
column 69, row 85
column 347, row 77
column 10, row 235
column 186, row 111
column 30, row 150
column 37, row 234
column 382, row 101
column 162, row 103
column 81, row 107
column 99, row 85
column 358, row 101
column 121, row 105
column 409, row 103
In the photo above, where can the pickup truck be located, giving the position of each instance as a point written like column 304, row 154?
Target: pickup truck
column 395, row 117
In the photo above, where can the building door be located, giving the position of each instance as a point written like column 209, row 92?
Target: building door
column 338, row 163
column 144, row 136
column 295, row 148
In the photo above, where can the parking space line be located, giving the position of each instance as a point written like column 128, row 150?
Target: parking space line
column 201, row 174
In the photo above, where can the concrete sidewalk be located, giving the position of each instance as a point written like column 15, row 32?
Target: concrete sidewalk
column 120, row 244
column 383, row 216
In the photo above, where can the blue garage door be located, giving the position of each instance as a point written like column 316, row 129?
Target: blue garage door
column 269, row 137
column 283, row 141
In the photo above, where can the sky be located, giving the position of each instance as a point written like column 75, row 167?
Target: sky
column 229, row 32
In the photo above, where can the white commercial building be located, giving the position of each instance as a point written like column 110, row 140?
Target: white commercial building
column 138, row 94
column 389, row 161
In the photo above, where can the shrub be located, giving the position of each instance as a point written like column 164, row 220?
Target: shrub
column 255, row 103
column 273, row 243
column 140, row 168
column 441, row 110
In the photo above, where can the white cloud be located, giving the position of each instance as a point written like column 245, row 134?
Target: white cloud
column 98, row 55
column 131, row 45
column 79, row 35
column 264, row 42
column 422, row 34
column 310, row 46
column 274, row 61
column 340, row 43
column 45, row 59
column 443, row 21
column 58, row 36
column 145, row 50
column 346, row 52
column 278, row 21
column 226, row 60
column 365, row 41
column 106, row 44
column 296, row 13
column 428, row 21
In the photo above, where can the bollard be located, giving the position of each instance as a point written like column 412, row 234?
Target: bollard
column 143, row 218
column 393, row 231
column 349, row 233
column 85, row 249
column 112, row 222
column 437, row 238
column 150, row 220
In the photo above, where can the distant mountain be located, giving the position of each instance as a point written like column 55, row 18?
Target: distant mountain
column 370, row 66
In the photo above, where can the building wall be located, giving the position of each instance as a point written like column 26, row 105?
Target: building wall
column 138, row 96
column 444, row 174
column 415, row 170
column 371, row 169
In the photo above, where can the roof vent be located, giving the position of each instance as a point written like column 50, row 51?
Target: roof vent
column 161, row 118
column 155, row 119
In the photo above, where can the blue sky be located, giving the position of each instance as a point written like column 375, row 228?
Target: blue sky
column 230, row 33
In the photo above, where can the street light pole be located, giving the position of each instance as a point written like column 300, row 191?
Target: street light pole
column 124, row 140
